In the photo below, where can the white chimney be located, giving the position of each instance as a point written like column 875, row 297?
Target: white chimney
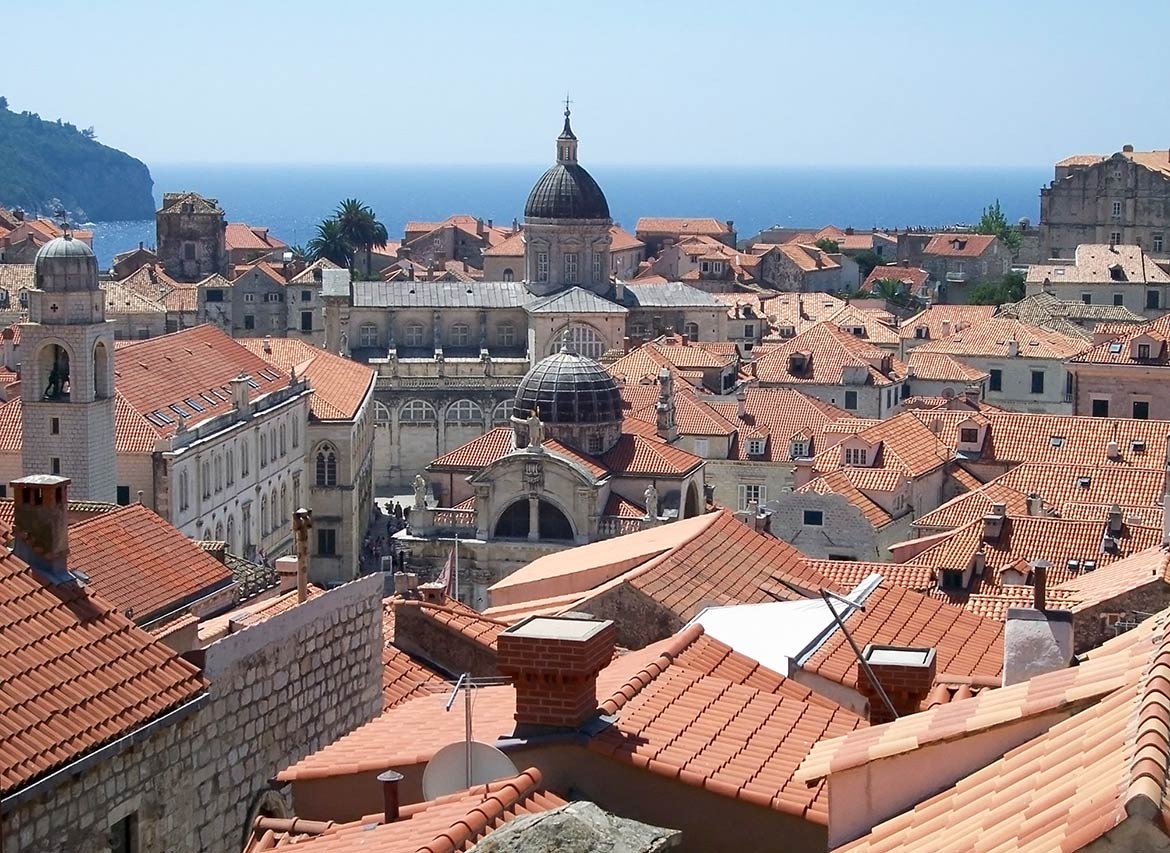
column 1013, row 348
column 1036, row 642
column 1113, row 450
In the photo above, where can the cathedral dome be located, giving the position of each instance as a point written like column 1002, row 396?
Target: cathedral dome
column 63, row 247
column 566, row 191
column 567, row 388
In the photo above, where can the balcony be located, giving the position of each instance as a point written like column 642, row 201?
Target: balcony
column 957, row 277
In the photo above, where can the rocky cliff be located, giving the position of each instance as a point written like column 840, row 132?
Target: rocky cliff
column 43, row 163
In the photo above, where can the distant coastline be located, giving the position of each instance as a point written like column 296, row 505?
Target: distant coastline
column 290, row 200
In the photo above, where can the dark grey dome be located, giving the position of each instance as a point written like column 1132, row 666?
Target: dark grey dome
column 567, row 388
column 63, row 247
column 566, row 191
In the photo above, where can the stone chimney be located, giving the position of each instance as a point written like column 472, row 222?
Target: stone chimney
column 1036, row 641
column 1115, row 520
column 1013, row 348
column 40, row 524
column 993, row 522
column 240, row 396
column 1035, row 504
column 1113, row 450
column 741, row 403
column 553, row 663
column 906, row 674
column 286, row 570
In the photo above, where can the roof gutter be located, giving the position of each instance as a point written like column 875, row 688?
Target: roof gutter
column 59, row 777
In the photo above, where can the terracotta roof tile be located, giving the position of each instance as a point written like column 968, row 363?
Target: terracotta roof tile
column 914, row 277
column 618, row 507
column 681, row 226
column 340, row 385
column 404, row 678
column 193, row 365
column 903, row 444
column 964, row 643
column 1080, row 779
column 959, row 245
column 1090, row 589
column 938, row 321
column 996, row 337
column 638, row 455
column 477, row 453
column 74, row 674
column 839, row 483
column 1123, row 349
column 141, row 564
column 847, row 574
column 828, row 351
column 939, row 367
column 133, row 433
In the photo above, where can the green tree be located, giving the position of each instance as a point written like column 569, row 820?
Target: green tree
column 866, row 261
column 331, row 243
column 1010, row 288
column 890, row 289
column 301, row 253
column 828, row 246
column 361, row 229
column 994, row 222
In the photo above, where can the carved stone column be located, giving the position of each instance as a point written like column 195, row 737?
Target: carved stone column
column 533, row 518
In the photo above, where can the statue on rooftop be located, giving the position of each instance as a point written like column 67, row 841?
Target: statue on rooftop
column 420, row 492
column 651, row 496
column 535, row 431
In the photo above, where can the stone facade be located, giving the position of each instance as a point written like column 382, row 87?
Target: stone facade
column 1124, row 198
column 278, row 691
column 189, row 235
column 1127, row 390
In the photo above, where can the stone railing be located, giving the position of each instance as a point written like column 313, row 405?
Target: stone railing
column 609, row 526
column 454, row 518
column 389, row 383
column 437, row 521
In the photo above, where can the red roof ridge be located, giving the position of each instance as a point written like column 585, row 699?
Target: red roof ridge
column 643, row 677
column 1145, row 791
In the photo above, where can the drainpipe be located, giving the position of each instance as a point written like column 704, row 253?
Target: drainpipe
column 302, row 523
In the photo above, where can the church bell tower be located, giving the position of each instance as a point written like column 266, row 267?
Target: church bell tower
column 67, row 373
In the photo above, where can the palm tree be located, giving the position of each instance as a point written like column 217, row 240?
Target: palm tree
column 331, row 243
column 361, row 229
column 890, row 289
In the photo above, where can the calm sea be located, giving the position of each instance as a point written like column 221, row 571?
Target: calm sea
column 290, row 200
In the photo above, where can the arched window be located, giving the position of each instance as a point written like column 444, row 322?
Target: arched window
column 53, row 366
column 381, row 412
column 272, row 445
column 184, row 499
column 326, row 466
column 509, row 275
column 506, row 335
column 368, row 335
column 263, row 449
column 691, row 330
column 502, row 413
column 244, row 459
column 414, row 335
column 101, row 371
column 296, row 433
column 582, row 339
column 283, row 449
column 417, row 411
column 231, row 534
column 464, row 412
column 219, row 532
column 460, row 335
column 263, row 515
column 207, row 478
column 284, row 503
column 218, row 472
column 275, row 508
column 230, row 459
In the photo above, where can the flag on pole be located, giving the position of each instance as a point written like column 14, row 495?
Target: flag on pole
column 447, row 575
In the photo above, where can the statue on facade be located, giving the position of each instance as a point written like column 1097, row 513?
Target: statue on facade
column 651, row 496
column 535, row 431
column 420, row 492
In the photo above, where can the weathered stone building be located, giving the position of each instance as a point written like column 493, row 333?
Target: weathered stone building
column 189, row 233
column 1120, row 199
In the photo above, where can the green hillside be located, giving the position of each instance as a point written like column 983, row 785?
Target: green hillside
column 42, row 162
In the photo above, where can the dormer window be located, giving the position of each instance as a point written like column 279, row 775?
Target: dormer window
column 969, row 435
column 798, row 450
column 756, row 447
column 857, row 456
column 717, row 267
column 1142, row 351
column 951, row 579
column 921, row 332
column 1117, row 272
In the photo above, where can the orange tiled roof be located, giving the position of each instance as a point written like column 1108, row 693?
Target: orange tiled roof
column 404, row 678
column 716, row 698
column 933, row 318
column 1064, row 789
column 477, row 453
column 618, row 507
column 847, row 574
column 940, row 367
column 904, row 444
column 238, row 235
column 914, row 277
column 513, row 247
column 141, row 564
column 959, row 245
column 681, row 226
column 995, row 337
column 74, row 674
column 442, row 825
column 182, row 298
column 193, row 365
column 839, row 483
column 149, row 281
column 964, row 643
column 829, row 351
column 638, row 455
column 621, row 240
column 340, row 385
column 133, row 434
column 460, row 619
column 1120, row 350
column 1092, row 588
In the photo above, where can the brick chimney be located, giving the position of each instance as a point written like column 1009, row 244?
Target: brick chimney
column 40, row 524
column 905, row 673
column 553, row 663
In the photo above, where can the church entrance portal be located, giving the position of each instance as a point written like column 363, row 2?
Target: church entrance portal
column 515, row 523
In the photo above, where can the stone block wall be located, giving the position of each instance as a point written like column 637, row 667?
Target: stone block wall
column 418, row 633
column 279, row 691
column 1094, row 625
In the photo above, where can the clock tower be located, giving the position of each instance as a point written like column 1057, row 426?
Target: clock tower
column 67, row 373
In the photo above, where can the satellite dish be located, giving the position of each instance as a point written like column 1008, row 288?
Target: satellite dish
column 447, row 772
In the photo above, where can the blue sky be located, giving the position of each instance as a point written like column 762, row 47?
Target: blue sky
column 848, row 83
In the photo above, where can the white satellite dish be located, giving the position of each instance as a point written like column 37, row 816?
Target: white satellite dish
column 447, row 771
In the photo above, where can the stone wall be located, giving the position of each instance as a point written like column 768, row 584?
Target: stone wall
column 1094, row 625
column 278, row 690
column 417, row 633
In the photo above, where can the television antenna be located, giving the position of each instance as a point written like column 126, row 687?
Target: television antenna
column 461, row 765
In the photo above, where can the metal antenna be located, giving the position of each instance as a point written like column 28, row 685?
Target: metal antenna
column 464, row 683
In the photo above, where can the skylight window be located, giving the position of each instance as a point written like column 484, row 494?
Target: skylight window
column 192, row 405
column 1115, row 347
column 159, row 418
column 179, row 410
column 1084, row 482
column 1056, row 441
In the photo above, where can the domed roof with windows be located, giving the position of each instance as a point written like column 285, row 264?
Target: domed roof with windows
column 566, row 191
column 567, row 388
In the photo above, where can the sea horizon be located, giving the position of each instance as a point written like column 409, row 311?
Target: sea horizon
column 290, row 199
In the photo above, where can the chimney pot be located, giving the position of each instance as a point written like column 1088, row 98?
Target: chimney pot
column 1039, row 583
column 390, row 780
column 1113, row 450
column 905, row 673
column 1035, row 504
